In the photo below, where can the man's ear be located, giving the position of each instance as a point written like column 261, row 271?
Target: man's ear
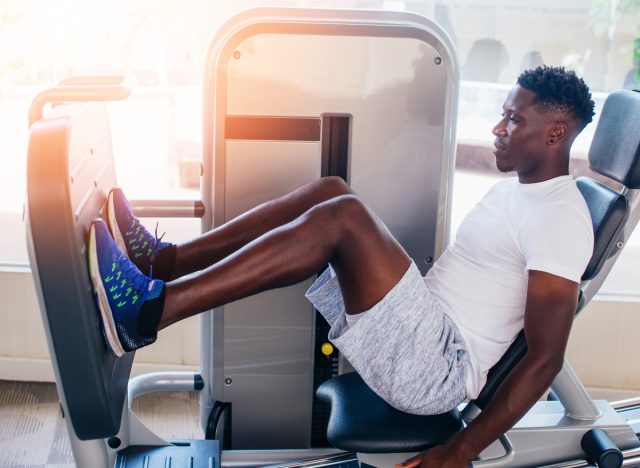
column 557, row 132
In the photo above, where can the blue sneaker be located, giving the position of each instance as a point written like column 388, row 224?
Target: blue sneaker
column 121, row 290
column 133, row 238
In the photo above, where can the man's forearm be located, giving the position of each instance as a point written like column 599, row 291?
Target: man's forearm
column 520, row 390
column 550, row 300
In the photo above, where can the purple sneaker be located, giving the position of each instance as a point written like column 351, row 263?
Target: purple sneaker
column 130, row 235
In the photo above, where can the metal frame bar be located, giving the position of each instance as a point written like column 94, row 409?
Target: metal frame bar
column 163, row 382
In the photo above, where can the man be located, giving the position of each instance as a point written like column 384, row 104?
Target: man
column 422, row 344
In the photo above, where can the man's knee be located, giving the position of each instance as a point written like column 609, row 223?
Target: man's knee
column 333, row 186
column 338, row 212
column 331, row 220
column 349, row 212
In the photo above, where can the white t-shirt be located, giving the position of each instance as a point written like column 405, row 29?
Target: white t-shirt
column 481, row 279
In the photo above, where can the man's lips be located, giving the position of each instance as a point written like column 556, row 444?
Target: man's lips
column 498, row 146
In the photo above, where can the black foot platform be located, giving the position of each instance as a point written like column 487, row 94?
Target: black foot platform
column 187, row 453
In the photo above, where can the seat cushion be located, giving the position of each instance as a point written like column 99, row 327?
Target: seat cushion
column 361, row 421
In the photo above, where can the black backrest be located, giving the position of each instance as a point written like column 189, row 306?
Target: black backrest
column 615, row 149
column 614, row 153
column 609, row 210
column 70, row 169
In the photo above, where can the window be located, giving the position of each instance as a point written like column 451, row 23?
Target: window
column 162, row 43
column 496, row 41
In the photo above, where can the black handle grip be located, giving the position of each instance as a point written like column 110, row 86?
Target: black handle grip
column 601, row 450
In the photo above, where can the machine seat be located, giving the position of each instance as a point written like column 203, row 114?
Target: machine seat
column 356, row 410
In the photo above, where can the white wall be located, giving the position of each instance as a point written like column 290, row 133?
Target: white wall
column 604, row 346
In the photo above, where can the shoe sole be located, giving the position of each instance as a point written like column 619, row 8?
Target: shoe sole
column 108, row 325
column 113, row 226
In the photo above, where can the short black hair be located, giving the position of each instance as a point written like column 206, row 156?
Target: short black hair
column 559, row 90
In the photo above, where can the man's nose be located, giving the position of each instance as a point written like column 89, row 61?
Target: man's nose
column 500, row 129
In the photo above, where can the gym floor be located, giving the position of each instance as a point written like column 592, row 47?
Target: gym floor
column 33, row 433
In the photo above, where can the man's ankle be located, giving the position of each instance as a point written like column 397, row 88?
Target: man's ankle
column 164, row 262
column 150, row 315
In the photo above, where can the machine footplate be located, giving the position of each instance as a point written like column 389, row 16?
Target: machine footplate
column 191, row 453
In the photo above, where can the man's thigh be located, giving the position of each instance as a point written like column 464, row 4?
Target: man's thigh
column 369, row 261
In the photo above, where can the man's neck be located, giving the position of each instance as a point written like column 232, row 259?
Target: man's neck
column 557, row 165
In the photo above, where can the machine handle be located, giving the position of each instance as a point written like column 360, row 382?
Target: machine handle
column 81, row 88
column 163, row 382
column 168, row 208
column 599, row 448
column 503, row 460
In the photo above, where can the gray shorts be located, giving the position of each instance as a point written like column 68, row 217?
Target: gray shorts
column 405, row 347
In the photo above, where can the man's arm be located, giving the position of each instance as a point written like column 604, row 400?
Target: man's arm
column 550, row 308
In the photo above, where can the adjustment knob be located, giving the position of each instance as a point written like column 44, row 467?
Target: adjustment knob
column 326, row 349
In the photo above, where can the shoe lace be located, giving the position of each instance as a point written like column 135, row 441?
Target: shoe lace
column 158, row 240
column 154, row 250
column 140, row 238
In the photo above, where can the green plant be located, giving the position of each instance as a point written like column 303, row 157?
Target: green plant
column 605, row 18
column 606, row 13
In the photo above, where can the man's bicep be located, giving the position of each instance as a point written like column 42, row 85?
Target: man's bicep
column 550, row 308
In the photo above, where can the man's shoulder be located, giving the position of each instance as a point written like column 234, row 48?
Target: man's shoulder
column 504, row 185
column 560, row 208
column 506, row 182
column 564, row 195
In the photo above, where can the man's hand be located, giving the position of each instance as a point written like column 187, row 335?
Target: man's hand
column 442, row 456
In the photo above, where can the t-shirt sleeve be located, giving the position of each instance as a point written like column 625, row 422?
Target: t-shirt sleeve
column 557, row 239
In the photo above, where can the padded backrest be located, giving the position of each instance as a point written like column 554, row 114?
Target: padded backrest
column 615, row 153
column 70, row 169
column 609, row 210
column 615, row 149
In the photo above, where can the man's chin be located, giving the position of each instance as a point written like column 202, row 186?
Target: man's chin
column 504, row 169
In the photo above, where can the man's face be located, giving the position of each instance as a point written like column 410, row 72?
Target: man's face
column 521, row 135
